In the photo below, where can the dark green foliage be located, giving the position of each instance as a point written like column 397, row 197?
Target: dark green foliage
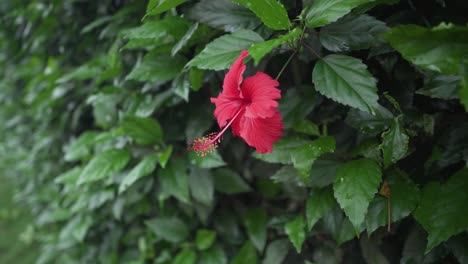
column 101, row 98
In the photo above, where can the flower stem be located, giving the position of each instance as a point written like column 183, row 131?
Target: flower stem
column 286, row 64
column 227, row 125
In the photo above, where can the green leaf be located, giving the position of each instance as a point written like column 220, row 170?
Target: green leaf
column 201, row 185
column 165, row 30
column 184, row 40
column 214, row 255
column 164, row 156
column 296, row 232
column 371, row 4
column 371, row 251
column 186, row 256
column 335, row 223
column 144, row 168
column 271, row 12
column 276, row 252
column 84, row 72
column 158, row 68
column 104, row 165
column 394, row 143
column 205, row 238
column 355, row 184
column 323, row 12
column 246, row 254
column 145, row 131
column 304, row 157
column 256, row 223
column 105, row 108
column 171, row 229
column 370, row 124
column 440, row 49
column 441, row 86
column 224, row 14
column 463, row 92
column 404, row 197
column 323, row 172
column 352, row 33
column 223, row 51
column 181, row 86
column 282, row 150
column 156, row 7
column 295, row 105
column 229, row 182
column 174, row 180
column 346, row 80
column 307, row 127
column 442, row 210
column 81, row 147
column 210, row 161
column 77, row 228
column 259, row 50
column 320, row 202
column 287, row 174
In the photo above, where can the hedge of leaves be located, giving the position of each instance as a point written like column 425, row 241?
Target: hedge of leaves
column 101, row 98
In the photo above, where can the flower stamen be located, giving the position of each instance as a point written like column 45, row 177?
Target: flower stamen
column 207, row 144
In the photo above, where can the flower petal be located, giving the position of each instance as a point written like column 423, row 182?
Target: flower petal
column 233, row 78
column 261, row 133
column 226, row 108
column 261, row 90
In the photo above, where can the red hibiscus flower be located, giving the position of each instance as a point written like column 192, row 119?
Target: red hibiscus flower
column 248, row 106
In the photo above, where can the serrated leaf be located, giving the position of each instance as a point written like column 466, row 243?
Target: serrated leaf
column 201, row 185
column 229, row 182
column 352, row 33
column 404, row 197
column 145, row 131
column 158, row 68
column 304, row 157
column 224, row 14
column 210, row 161
column 171, row 229
column 276, row 252
column 186, row 256
column 156, row 7
column 439, row 49
column 246, row 254
column 320, row 202
column 355, row 185
column 394, row 143
column 223, row 51
column 271, row 12
column 205, row 238
column 104, row 165
column 296, row 232
column 442, row 209
column 256, row 224
column 144, row 168
column 174, row 180
column 323, row 12
column 346, row 80
column 323, row 172
column 441, row 87
column 259, row 50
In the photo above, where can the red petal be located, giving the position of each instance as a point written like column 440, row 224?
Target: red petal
column 261, row 90
column 226, row 108
column 261, row 133
column 233, row 78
